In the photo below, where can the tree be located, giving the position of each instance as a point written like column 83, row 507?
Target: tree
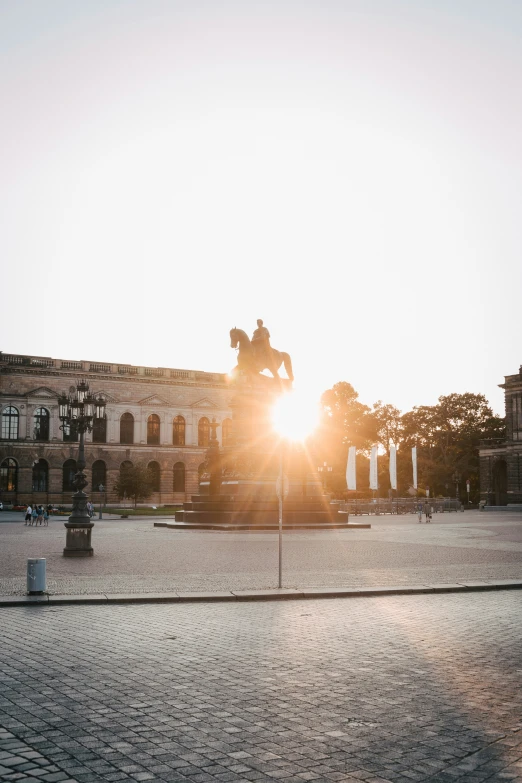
column 388, row 424
column 344, row 422
column 135, row 482
column 447, row 436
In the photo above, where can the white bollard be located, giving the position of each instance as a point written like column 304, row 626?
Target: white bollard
column 36, row 575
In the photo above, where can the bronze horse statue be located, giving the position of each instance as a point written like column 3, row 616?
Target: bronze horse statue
column 252, row 361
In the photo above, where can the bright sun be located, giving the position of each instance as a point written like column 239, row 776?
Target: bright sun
column 295, row 416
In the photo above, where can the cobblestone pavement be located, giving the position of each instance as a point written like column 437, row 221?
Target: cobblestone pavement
column 132, row 556
column 398, row 689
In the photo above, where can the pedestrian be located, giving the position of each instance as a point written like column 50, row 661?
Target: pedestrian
column 39, row 518
column 34, row 516
column 46, row 517
column 427, row 511
column 28, row 512
column 89, row 508
column 419, row 511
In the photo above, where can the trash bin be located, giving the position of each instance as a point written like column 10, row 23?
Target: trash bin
column 36, row 575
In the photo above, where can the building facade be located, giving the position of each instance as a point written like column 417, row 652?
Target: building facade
column 501, row 459
column 155, row 416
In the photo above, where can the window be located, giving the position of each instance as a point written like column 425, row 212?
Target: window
column 68, row 474
column 154, row 470
column 203, row 432
column 178, row 484
column 41, row 424
column 9, row 476
column 10, row 419
column 178, row 431
column 226, row 432
column 40, row 476
column 127, row 428
column 153, row 429
column 99, row 474
column 99, row 430
column 70, row 434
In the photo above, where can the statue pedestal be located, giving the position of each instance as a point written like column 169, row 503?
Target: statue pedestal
column 246, row 495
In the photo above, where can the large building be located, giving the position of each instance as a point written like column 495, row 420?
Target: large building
column 501, row 458
column 154, row 415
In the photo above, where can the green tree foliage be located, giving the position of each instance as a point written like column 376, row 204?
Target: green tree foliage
column 447, row 437
column 135, row 481
column 388, row 425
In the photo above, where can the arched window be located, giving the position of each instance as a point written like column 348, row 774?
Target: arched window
column 153, row 429
column 178, row 431
column 127, row 428
column 203, row 432
column 70, row 434
column 99, row 474
column 10, row 419
column 9, row 475
column 99, row 430
column 41, row 424
column 226, row 432
column 154, row 470
column 125, row 483
column 40, row 476
column 178, row 484
column 68, row 474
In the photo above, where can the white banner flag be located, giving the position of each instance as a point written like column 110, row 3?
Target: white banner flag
column 351, row 480
column 374, row 481
column 393, row 467
column 414, row 463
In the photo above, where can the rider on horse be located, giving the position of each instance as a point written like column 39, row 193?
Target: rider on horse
column 261, row 344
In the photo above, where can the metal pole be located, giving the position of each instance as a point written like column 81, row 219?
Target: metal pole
column 281, row 494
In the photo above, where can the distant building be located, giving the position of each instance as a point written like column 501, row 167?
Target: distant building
column 501, row 459
column 154, row 415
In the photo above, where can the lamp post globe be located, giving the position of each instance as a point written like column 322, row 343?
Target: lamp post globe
column 77, row 413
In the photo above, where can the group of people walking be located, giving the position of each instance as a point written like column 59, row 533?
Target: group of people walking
column 39, row 515
column 426, row 510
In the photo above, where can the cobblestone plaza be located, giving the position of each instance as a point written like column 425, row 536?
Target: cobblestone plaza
column 384, row 689
column 399, row 689
column 132, row 556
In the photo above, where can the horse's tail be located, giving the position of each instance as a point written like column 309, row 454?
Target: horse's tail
column 288, row 365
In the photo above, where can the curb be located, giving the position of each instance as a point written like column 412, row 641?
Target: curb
column 255, row 595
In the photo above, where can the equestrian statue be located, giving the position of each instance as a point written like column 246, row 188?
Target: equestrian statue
column 257, row 355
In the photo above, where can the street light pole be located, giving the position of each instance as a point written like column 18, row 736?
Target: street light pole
column 78, row 413
column 100, row 490
column 456, row 479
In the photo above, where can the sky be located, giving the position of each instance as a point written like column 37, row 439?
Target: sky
column 348, row 171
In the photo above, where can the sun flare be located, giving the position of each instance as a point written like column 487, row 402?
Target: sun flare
column 295, row 416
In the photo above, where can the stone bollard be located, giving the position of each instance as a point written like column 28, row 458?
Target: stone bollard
column 36, row 582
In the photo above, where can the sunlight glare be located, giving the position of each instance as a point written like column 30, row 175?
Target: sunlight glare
column 295, row 416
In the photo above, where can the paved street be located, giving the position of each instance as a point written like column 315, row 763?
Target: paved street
column 131, row 556
column 399, row 689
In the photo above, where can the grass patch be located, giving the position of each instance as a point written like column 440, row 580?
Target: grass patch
column 144, row 512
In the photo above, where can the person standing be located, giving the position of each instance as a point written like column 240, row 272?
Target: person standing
column 427, row 511
column 46, row 517
column 28, row 512
column 39, row 518
column 34, row 516
column 419, row 511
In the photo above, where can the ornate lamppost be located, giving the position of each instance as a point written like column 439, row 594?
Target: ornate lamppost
column 78, row 413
